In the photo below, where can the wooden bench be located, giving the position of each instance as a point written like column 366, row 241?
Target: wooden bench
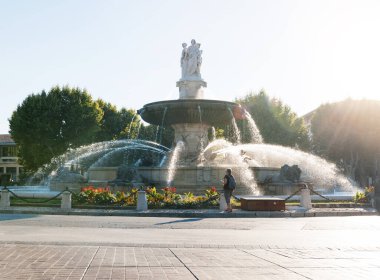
column 262, row 204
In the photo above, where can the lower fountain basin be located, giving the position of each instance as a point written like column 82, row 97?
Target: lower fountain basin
column 211, row 112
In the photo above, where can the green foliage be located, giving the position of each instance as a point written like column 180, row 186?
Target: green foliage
column 360, row 197
column 164, row 198
column 276, row 121
column 347, row 133
column 45, row 125
column 116, row 124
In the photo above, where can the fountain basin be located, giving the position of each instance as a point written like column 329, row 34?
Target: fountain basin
column 170, row 112
column 192, row 178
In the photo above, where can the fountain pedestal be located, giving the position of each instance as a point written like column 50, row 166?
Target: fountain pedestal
column 191, row 89
column 195, row 138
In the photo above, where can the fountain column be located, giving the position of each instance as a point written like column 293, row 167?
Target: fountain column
column 195, row 138
column 191, row 84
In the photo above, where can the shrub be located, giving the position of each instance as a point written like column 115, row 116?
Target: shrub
column 104, row 198
column 364, row 197
column 360, row 197
column 212, row 193
column 165, row 198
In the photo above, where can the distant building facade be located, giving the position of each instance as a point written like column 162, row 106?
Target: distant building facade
column 8, row 157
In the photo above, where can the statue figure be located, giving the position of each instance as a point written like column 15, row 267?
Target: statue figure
column 184, row 58
column 199, row 60
column 191, row 59
column 288, row 174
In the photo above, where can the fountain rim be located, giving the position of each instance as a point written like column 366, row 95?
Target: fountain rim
column 204, row 105
column 179, row 101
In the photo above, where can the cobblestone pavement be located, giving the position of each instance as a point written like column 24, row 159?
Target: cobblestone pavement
column 25, row 261
column 73, row 247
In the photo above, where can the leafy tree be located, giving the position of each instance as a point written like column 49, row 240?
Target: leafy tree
column 116, row 124
column 348, row 133
column 133, row 123
column 276, row 121
column 45, row 125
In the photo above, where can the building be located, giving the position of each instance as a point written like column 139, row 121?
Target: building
column 8, row 157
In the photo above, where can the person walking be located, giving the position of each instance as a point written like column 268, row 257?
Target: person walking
column 229, row 185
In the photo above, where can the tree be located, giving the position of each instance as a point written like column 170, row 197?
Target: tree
column 277, row 123
column 348, row 133
column 117, row 124
column 45, row 125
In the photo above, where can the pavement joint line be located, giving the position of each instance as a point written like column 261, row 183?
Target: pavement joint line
column 89, row 264
column 286, row 268
column 278, row 253
column 183, row 264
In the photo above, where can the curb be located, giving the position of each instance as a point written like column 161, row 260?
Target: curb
column 316, row 212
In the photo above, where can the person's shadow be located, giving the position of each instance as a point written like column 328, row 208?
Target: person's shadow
column 180, row 221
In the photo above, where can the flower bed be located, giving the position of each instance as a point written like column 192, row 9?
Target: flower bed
column 163, row 198
column 365, row 197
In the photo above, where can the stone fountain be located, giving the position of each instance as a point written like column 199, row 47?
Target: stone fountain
column 191, row 116
column 194, row 163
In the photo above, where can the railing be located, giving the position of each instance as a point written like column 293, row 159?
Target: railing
column 305, row 186
column 65, row 198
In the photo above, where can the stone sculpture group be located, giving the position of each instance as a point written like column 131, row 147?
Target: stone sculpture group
column 191, row 60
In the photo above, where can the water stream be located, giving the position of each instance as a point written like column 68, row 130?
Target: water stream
column 235, row 129
column 254, row 131
column 172, row 167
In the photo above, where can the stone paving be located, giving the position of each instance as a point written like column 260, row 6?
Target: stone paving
column 87, row 247
column 25, row 261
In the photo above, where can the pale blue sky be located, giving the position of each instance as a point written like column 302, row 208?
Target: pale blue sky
column 127, row 52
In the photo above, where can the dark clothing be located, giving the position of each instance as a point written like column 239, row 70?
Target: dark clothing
column 227, row 195
column 227, row 190
column 227, row 181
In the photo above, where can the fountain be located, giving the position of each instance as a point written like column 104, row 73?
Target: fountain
column 194, row 163
column 201, row 164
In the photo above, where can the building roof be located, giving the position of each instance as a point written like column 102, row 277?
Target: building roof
column 6, row 139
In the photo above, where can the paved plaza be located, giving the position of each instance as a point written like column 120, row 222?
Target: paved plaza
column 88, row 247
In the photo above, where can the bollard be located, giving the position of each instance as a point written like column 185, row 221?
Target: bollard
column 305, row 199
column 222, row 202
column 66, row 200
column 142, row 203
column 5, row 198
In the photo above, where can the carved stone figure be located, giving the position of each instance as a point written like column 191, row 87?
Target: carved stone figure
column 184, row 58
column 191, row 59
column 288, row 174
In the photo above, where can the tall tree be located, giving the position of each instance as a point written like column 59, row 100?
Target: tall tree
column 276, row 121
column 45, row 125
column 116, row 124
column 348, row 133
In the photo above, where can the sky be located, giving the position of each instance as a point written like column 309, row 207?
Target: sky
column 127, row 52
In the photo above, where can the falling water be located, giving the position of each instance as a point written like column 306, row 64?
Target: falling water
column 236, row 132
column 157, row 131
column 138, row 130
column 202, row 136
column 217, row 154
column 130, row 126
column 172, row 168
column 96, row 154
column 213, row 134
column 162, row 123
column 235, row 128
column 322, row 173
column 255, row 134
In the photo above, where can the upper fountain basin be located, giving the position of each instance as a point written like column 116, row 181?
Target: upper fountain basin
column 211, row 112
